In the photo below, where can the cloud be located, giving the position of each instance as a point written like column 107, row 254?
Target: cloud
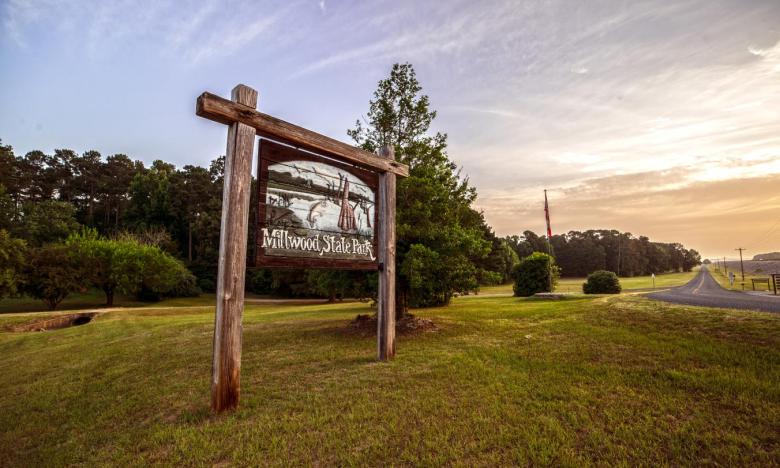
column 709, row 216
column 192, row 30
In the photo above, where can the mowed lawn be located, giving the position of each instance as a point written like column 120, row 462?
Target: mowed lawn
column 574, row 285
column 598, row 380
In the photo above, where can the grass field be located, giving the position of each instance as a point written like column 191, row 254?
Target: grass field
column 574, row 285
column 599, row 380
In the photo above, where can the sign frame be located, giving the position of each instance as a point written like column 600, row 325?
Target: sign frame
column 245, row 123
column 281, row 154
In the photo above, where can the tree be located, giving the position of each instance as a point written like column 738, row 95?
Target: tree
column 8, row 213
column 12, row 259
column 535, row 273
column 127, row 266
column 47, row 221
column 51, row 273
column 438, row 235
column 602, row 282
column 334, row 284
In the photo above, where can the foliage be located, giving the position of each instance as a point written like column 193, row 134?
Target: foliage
column 580, row 253
column 439, row 234
column 602, row 282
column 533, row 275
column 8, row 212
column 51, row 273
column 47, row 221
column 132, row 268
column 335, row 284
column 12, row 259
column 259, row 281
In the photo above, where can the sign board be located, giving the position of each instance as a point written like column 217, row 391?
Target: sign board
column 314, row 212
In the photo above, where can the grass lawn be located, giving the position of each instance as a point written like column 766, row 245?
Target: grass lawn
column 723, row 280
column 90, row 299
column 574, row 285
column 600, row 380
column 95, row 299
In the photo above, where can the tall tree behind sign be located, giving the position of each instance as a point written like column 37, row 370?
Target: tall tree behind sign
column 439, row 233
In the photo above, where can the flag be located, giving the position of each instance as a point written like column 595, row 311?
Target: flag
column 547, row 215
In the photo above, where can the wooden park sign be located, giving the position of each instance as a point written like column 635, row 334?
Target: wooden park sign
column 314, row 212
column 322, row 204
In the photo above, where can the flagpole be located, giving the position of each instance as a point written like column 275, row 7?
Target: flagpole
column 549, row 240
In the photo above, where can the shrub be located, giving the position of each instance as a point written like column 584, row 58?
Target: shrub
column 259, row 281
column 132, row 268
column 53, row 272
column 186, row 285
column 207, row 284
column 533, row 274
column 602, row 282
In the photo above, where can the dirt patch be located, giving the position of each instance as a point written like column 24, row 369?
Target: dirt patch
column 366, row 324
column 55, row 323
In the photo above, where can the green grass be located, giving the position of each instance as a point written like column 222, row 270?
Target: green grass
column 574, row 285
column 95, row 299
column 617, row 380
column 89, row 299
column 739, row 285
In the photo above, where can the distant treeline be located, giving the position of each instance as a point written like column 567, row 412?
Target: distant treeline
column 46, row 197
column 580, row 253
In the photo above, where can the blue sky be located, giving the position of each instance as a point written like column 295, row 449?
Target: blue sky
column 660, row 118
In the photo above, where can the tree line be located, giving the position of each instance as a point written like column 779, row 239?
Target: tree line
column 578, row 254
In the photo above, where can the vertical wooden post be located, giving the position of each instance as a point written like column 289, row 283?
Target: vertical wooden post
column 226, row 364
column 386, row 294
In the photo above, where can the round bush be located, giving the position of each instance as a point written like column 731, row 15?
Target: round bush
column 602, row 282
column 532, row 274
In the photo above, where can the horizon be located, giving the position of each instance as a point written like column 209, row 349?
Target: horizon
column 638, row 118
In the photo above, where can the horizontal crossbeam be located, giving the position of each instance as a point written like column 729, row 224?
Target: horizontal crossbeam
column 225, row 111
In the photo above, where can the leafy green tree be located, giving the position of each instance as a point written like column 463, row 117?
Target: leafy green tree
column 535, row 273
column 150, row 200
column 602, row 282
column 51, row 273
column 437, row 232
column 129, row 267
column 116, row 175
column 47, row 221
column 13, row 254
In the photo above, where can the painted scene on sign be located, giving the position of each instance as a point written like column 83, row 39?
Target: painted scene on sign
column 314, row 209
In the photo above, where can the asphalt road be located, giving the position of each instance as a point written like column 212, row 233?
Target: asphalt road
column 703, row 290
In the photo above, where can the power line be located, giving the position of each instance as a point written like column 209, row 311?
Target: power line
column 763, row 236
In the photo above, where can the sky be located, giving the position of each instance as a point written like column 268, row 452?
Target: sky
column 658, row 118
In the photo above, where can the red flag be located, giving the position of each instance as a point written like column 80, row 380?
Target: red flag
column 547, row 215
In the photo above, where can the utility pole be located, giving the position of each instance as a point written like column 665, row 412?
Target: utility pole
column 725, row 268
column 741, row 265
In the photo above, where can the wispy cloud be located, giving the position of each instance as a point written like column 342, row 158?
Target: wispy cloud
column 192, row 30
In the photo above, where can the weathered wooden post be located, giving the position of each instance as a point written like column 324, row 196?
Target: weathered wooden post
column 386, row 246
column 226, row 365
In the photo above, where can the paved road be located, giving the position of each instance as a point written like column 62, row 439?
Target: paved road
column 703, row 290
